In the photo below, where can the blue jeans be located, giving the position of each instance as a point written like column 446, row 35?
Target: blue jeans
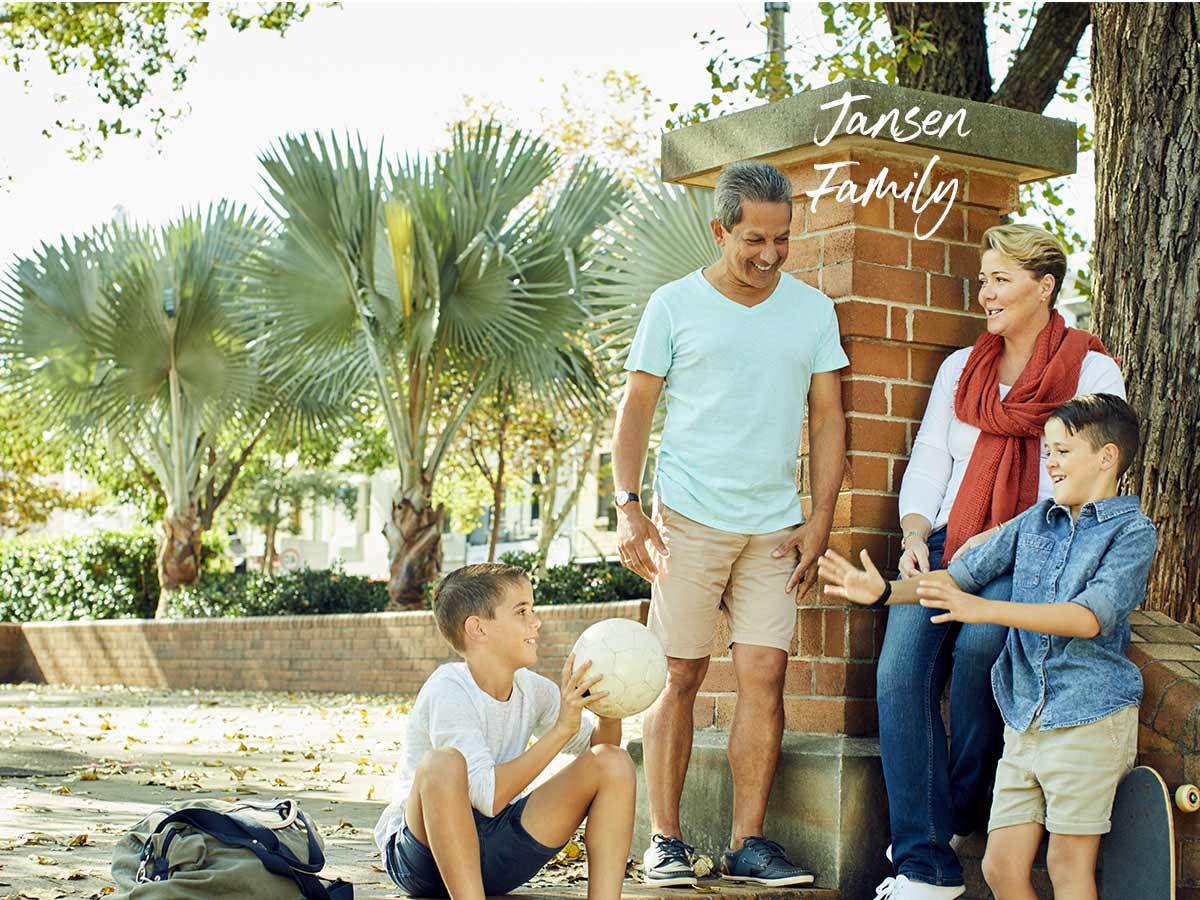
column 934, row 790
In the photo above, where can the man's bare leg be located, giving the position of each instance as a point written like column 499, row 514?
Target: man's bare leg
column 755, row 735
column 440, row 783
column 667, row 742
column 601, row 785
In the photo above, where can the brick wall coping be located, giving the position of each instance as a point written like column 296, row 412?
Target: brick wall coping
column 1024, row 144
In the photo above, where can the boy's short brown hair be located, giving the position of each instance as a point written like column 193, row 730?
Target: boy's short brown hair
column 471, row 591
column 1103, row 419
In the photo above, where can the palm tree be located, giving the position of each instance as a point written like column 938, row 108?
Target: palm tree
column 663, row 234
column 422, row 284
column 132, row 337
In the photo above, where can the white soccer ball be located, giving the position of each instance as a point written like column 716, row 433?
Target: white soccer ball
column 630, row 661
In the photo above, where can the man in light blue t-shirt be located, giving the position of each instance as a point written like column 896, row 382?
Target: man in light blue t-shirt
column 740, row 350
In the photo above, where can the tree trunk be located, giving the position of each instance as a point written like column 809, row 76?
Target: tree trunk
column 1146, row 83
column 960, row 67
column 414, row 537
column 178, row 558
column 268, row 563
column 553, row 520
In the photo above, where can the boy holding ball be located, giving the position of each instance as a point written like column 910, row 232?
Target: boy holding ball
column 460, row 823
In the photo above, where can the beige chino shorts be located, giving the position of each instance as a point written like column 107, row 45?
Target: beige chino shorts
column 1064, row 778
column 708, row 570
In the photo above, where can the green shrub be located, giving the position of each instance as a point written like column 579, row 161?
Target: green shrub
column 306, row 592
column 602, row 582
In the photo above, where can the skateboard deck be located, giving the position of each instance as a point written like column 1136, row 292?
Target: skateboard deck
column 1137, row 858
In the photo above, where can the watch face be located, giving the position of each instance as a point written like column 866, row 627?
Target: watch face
column 622, row 498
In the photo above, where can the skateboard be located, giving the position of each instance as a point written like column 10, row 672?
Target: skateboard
column 1137, row 858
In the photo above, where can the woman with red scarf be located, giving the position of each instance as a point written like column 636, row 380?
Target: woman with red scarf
column 976, row 463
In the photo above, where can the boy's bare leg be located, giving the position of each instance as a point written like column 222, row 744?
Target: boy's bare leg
column 601, row 786
column 1071, row 859
column 440, row 783
column 1008, row 861
column 755, row 735
column 667, row 742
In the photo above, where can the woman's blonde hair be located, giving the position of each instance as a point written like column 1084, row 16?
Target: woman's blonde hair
column 1035, row 249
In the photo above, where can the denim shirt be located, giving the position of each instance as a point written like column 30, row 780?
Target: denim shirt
column 1100, row 562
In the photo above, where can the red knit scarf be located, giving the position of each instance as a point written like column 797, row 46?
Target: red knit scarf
column 1002, row 477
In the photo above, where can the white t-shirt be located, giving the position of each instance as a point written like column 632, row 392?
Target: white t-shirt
column 944, row 444
column 453, row 711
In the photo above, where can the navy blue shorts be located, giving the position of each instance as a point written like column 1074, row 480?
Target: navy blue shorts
column 508, row 856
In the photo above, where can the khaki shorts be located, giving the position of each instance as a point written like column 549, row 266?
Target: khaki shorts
column 1065, row 778
column 707, row 568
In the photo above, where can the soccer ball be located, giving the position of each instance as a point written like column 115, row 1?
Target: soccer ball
column 630, row 660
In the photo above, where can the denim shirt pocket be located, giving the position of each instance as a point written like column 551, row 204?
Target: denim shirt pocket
column 1033, row 560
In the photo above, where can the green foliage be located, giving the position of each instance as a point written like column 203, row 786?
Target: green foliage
column 307, row 592
column 603, row 582
column 126, row 51
column 109, row 575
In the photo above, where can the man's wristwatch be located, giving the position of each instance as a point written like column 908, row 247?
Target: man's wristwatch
column 624, row 497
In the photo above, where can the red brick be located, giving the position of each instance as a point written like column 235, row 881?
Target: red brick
column 837, row 279
column 1150, row 741
column 925, row 364
column 964, row 261
column 991, row 190
column 810, row 632
column 834, row 643
column 704, row 711
column 860, row 395
column 822, row 715
column 877, row 511
column 830, row 678
column 979, row 221
column 1157, row 678
column 908, row 401
column 885, row 283
column 946, row 329
column 803, row 253
column 861, row 718
column 811, row 277
column 881, row 247
column 878, row 359
column 804, row 176
column 1177, row 715
column 861, row 318
column 867, row 434
column 837, row 246
column 830, row 213
column 898, row 467
column 949, row 291
column 929, row 255
column 868, row 473
column 862, row 632
column 720, row 677
column 951, row 229
column 860, row 679
column 899, row 322
column 798, row 679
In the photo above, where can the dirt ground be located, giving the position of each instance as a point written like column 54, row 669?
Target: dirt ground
column 79, row 766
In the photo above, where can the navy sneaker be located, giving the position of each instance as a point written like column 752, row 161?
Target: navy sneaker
column 668, row 862
column 762, row 862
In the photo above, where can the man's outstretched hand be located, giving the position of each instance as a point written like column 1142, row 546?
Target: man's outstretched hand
column 863, row 586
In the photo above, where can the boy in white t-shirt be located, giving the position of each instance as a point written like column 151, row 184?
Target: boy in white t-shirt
column 460, row 823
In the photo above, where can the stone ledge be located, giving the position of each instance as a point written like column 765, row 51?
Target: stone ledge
column 1008, row 141
column 721, row 890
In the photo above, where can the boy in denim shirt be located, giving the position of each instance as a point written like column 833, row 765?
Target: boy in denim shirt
column 1064, row 686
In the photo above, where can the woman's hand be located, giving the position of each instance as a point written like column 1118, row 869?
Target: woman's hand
column 915, row 558
column 972, row 542
column 862, row 586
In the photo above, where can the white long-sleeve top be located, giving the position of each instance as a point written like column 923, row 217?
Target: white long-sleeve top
column 453, row 711
column 944, row 443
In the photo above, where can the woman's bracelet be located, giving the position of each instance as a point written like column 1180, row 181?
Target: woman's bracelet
column 908, row 534
column 883, row 598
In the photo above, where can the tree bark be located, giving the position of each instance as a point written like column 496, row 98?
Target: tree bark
column 1032, row 81
column 498, row 485
column 960, row 67
column 178, row 558
column 1146, row 84
column 268, row 563
column 414, row 537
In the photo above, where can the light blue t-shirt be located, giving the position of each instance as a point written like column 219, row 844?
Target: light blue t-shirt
column 736, row 384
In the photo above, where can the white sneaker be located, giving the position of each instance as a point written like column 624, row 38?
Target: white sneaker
column 900, row 888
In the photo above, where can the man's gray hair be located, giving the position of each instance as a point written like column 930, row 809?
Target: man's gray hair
column 756, row 182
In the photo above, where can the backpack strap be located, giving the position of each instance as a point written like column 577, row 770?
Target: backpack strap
column 258, row 839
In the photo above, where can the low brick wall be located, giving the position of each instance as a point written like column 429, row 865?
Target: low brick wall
column 378, row 652
column 10, row 650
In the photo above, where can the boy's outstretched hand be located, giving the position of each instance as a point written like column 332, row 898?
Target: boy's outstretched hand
column 959, row 606
column 572, row 701
column 863, row 586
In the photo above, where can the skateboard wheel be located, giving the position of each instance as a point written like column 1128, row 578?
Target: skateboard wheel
column 1187, row 797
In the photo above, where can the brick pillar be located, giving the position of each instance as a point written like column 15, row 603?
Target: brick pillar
column 903, row 302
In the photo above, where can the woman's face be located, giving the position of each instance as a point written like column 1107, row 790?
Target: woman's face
column 1013, row 299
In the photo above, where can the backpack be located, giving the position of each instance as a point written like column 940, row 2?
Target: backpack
column 216, row 850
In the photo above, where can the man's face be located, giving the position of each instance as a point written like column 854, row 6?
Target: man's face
column 513, row 633
column 757, row 246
